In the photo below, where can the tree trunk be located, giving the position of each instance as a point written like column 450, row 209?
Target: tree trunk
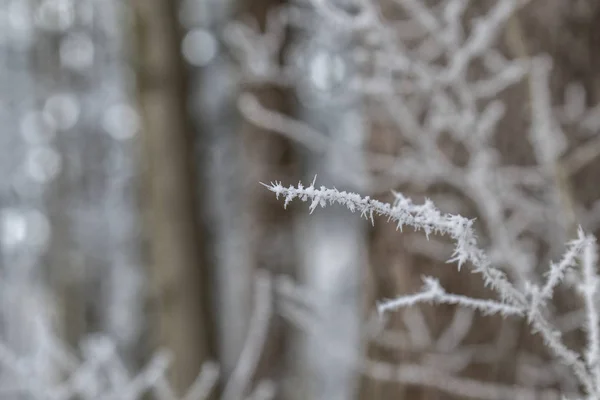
column 179, row 275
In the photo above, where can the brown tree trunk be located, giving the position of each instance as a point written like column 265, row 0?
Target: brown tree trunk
column 178, row 273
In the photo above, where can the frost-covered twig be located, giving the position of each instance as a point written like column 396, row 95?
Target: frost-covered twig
column 404, row 212
column 433, row 292
column 557, row 272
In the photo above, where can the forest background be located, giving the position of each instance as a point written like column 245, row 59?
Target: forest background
column 141, row 256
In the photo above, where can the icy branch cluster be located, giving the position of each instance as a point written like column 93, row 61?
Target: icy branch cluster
column 529, row 302
column 442, row 77
column 102, row 374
